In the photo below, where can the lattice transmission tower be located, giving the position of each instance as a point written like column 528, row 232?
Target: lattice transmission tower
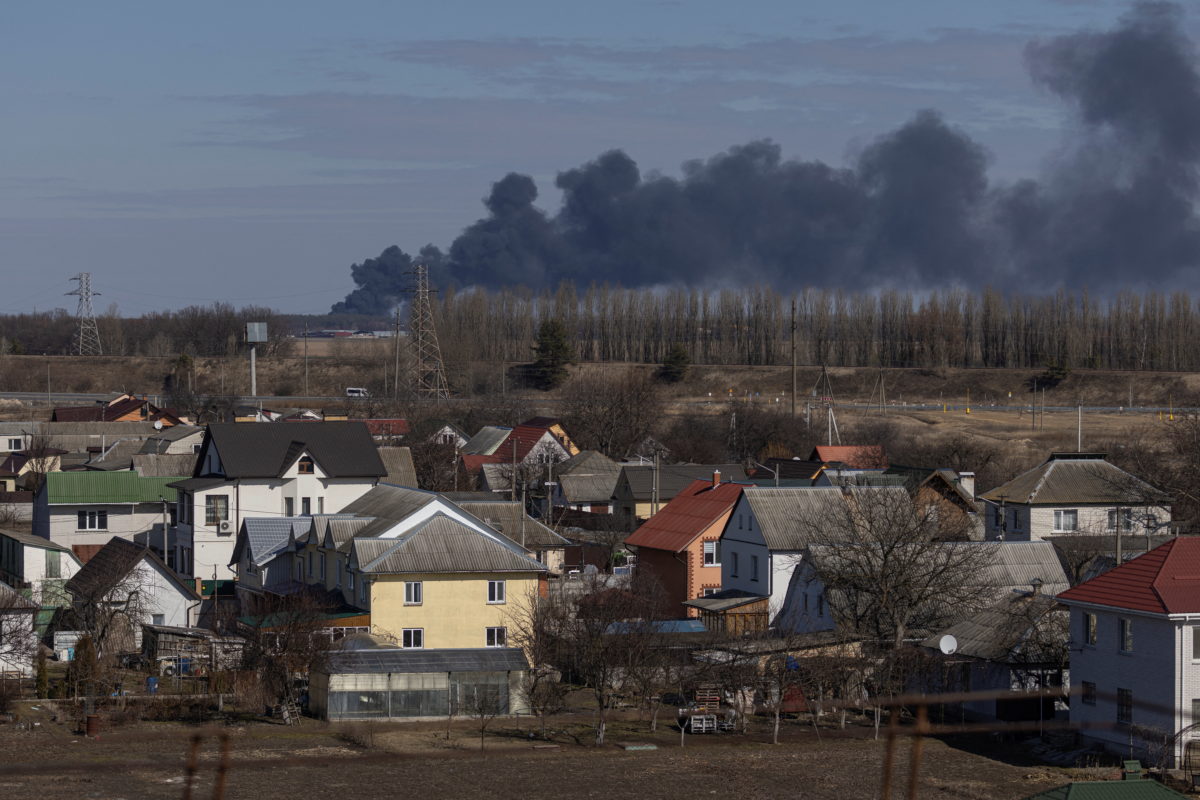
column 89, row 332
column 430, row 371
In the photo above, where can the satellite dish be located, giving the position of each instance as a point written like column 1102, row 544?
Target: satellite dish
column 948, row 645
column 158, row 424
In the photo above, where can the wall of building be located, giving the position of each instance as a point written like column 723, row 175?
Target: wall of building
column 1150, row 671
column 454, row 611
column 124, row 520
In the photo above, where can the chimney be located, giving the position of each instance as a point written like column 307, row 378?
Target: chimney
column 967, row 481
column 716, row 478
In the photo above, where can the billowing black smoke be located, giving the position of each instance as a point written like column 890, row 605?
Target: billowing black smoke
column 1116, row 208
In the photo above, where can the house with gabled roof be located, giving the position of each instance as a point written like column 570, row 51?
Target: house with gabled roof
column 680, row 545
column 642, row 490
column 535, row 442
column 1074, row 494
column 82, row 510
column 36, row 565
column 124, row 586
column 445, row 584
column 1135, row 651
column 853, row 456
column 585, row 482
column 281, row 470
column 123, row 408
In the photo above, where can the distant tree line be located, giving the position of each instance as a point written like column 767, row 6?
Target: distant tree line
column 952, row 328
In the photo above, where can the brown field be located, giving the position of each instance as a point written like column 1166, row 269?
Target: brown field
column 147, row 760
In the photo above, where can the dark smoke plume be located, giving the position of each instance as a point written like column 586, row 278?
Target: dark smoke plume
column 1115, row 208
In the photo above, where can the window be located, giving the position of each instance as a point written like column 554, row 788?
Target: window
column 820, row 605
column 350, row 579
column 322, row 559
column 733, row 569
column 305, row 465
column 306, row 506
column 712, row 555
column 1126, row 628
column 339, row 572
column 216, row 509
column 195, row 449
column 1016, row 521
column 320, row 505
column 1066, row 520
column 1196, row 645
column 289, row 506
column 495, row 591
column 1089, row 693
column 1123, row 514
column 709, row 590
column 754, row 567
column 15, row 444
column 1089, row 628
column 93, row 520
column 497, row 637
column 412, row 593
column 362, row 593
column 1124, row 707
column 310, row 564
column 413, row 638
column 53, row 564
column 157, row 619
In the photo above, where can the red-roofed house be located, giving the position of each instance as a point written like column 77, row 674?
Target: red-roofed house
column 532, row 443
column 125, row 408
column 1135, row 650
column 864, row 456
column 680, row 544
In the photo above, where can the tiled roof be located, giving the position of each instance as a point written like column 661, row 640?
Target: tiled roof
column 440, row 545
column 1164, row 581
column 689, row 514
column 83, row 488
column 1076, row 478
column 867, row 456
column 343, row 449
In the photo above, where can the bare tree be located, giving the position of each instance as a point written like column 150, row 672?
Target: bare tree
column 612, row 413
column 287, row 638
column 535, row 627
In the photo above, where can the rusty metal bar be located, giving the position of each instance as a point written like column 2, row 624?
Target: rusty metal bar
column 222, row 769
column 918, row 748
column 189, row 770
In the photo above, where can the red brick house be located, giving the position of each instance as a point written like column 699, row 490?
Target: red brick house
column 680, row 544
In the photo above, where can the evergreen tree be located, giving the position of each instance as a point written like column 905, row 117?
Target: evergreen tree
column 554, row 354
column 675, row 365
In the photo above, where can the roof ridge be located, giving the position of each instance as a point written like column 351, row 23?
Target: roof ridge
column 1037, row 487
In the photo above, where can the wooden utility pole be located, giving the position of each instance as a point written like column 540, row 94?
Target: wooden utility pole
column 396, row 355
column 306, row 359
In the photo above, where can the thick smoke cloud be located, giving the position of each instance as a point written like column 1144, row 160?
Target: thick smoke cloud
column 1115, row 207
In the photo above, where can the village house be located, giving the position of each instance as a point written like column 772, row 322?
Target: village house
column 642, row 490
column 123, row 408
column 83, row 510
column 18, row 641
column 124, row 586
column 523, row 451
column 584, row 482
column 281, row 470
column 680, row 545
column 36, row 565
column 1135, row 652
column 1071, row 494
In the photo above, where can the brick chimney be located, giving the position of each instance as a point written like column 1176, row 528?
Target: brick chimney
column 716, row 478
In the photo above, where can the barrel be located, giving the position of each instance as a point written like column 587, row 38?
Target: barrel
column 91, row 725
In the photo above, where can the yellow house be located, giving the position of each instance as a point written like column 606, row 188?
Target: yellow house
column 444, row 585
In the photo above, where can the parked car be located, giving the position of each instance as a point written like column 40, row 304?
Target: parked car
column 356, row 391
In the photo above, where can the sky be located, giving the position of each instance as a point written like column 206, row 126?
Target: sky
column 250, row 152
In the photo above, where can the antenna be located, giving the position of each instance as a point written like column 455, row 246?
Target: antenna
column 431, row 372
column 89, row 332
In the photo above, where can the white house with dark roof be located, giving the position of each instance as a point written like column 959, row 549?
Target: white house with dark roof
column 42, row 567
column 18, row 640
column 245, row 471
column 1074, row 493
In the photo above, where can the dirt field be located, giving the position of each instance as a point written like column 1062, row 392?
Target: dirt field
column 147, row 760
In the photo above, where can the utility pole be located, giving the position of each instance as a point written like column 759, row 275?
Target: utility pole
column 89, row 332
column 793, row 356
column 306, row 359
column 164, row 526
column 1079, row 430
column 396, row 351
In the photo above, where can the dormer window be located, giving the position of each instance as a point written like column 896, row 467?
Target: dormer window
column 305, row 465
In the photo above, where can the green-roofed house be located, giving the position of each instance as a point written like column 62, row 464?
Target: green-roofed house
column 84, row 510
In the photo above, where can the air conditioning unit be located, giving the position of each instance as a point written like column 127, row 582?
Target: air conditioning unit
column 226, row 526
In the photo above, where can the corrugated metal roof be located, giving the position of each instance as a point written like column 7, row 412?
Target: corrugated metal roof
column 87, row 488
column 109, row 566
column 1109, row 790
column 12, row 600
column 673, row 478
column 1003, row 632
column 1164, row 581
column 440, row 545
column 33, row 540
column 491, row 659
column 788, row 516
column 387, row 505
column 484, row 443
column 589, row 488
column 398, row 462
column 162, row 466
column 266, row 536
column 587, row 462
column 1076, row 478
column 689, row 514
column 510, row 519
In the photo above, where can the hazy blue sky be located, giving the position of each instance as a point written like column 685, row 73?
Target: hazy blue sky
column 252, row 151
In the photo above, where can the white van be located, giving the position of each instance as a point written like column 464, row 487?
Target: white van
column 356, row 391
